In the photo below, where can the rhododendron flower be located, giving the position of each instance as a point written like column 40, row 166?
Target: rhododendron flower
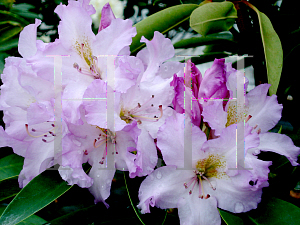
column 95, row 148
column 88, row 51
column 214, row 180
column 211, row 86
column 28, row 104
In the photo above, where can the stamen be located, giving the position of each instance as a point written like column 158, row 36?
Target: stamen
column 42, row 135
column 102, row 142
column 186, row 185
column 190, row 192
column 149, row 118
column 203, row 194
column 248, row 118
column 208, row 182
column 258, row 131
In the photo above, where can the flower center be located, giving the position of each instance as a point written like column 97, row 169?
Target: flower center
column 91, row 67
column 211, row 166
column 105, row 136
column 236, row 113
column 141, row 112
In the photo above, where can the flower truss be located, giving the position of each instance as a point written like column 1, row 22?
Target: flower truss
column 149, row 114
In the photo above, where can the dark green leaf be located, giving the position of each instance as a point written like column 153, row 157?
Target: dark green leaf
column 213, row 17
column 200, row 41
column 162, row 21
column 10, row 166
column 9, row 44
column 230, row 218
column 81, row 216
column 9, row 16
column 8, row 33
column 9, row 188
column 3, row 55
column 208, row 57
column 22, row 7
column 37, row 194
column 275, row 212
column 272, row 48
column 32, row 220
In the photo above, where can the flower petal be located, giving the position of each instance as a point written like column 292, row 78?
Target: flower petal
column 27, row 41
column 280, row 144
column 107, row 16
column 163, row 188
column 265, row 110
column 160, row 49
column 193, row 210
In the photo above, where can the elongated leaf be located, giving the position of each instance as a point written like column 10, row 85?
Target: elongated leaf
column 10, row 166
column 272, row 48
column 37, row 194
column 200, row 41
column 230, row 219
column 81, row 216
column 32, row 220
column 9, row 188
column 9, row 16
column 8, row 33
column 208, row 57
column 9, row 44
column 3, row 55
column 162, row 21
column 276, row 212
column 213, row 17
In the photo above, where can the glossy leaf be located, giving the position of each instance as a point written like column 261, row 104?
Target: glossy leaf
column 23, row 10
column 276, row 212
column 272, row 48
column 230, row 219
column 200, row 41
column 32, row 220
column 81, row 216
column 9, row 188
column 9, row 16
column 162, row 21
column 10, row 32
column 208, row 57
column 37, row 194
column 213, row 17
column 10, row 166
column 9, row 44
column 3, row 55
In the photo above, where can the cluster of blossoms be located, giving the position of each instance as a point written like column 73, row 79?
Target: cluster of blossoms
column 121, row 123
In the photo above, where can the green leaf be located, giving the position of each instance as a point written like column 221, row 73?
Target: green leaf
column 34, row 220
column 230, row 219
column 276, row 212
column 81, row 216
column 37, row 194
column 208, row 57
column 9, row 16
column 9, row 188
column 200, row 41
column 3, row 55
column 9, row 44
column 213, row 17
column 8, row 33
column 10, row 166
column 272, row 48
column 162, row 21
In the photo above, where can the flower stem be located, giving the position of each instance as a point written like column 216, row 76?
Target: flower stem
column 131, row 200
